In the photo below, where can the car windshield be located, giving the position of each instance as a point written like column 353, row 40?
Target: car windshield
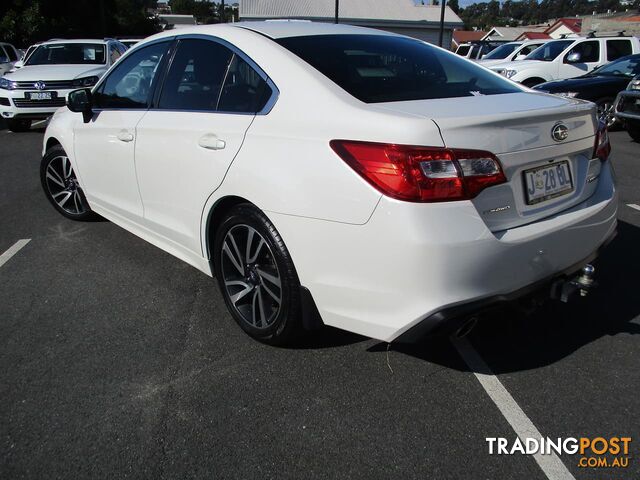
column 624, row 67
column 389, row 68
column 503, row 51
column 68, row 53
column 549, row 51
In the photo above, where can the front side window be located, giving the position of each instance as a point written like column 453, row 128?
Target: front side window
column 589, row 52
column 386, row 68
column 618, row 48
column 196, row 75
column 4, row 58
column 549, row 51
column 130, row 83
column 463, row 50
column 68, row 53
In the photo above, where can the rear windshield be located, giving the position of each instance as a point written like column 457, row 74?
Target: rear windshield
column 381, row 68
column 68, row 53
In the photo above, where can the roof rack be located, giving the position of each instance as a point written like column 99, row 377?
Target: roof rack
column 592, row 34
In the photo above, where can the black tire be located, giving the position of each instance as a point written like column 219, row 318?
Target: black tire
column 633, row 129
column 532, row 82
column 256, row 309
column 18, row 125
column 61, row 186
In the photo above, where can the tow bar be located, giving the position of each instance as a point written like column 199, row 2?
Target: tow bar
column 563, row 289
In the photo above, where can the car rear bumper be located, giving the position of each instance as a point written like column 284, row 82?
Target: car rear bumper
column 411, row 262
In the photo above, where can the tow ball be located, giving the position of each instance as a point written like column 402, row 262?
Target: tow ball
column 563, row 289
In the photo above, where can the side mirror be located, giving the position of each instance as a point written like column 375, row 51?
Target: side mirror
column 573, row 57
column 79, row 101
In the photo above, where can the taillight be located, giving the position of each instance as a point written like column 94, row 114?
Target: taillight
column 421, row 174
column 602, row 149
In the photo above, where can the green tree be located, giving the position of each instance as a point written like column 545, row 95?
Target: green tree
column 24, row 22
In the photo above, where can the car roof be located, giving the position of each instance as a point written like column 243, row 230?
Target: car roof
column 76, row 40
column 300, row 28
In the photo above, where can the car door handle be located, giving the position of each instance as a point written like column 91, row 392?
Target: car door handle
column 211, row 142
column 125, row 136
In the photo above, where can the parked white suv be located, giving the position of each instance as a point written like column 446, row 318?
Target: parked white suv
column 54, row 69
column 9, row 55
column 567, row 58
column 510, row 52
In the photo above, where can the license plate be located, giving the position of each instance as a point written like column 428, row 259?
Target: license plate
column 39, row 95
column 547, row 182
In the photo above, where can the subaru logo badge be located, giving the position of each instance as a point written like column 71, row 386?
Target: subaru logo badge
column 40, row 85
column 559, row 132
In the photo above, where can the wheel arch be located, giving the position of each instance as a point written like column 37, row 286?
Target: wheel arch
column 51, row 142
column 533, row 81
column 212, row 221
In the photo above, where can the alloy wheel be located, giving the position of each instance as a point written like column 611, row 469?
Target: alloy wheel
column 251, row 276
column 605, row 113
column 63, row 185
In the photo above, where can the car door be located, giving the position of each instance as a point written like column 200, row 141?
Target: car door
column 185, row 146
column 104, row 146
column 581, row 58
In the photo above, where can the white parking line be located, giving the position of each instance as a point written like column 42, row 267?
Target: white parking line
column 13, row 249
column 634, row 206
column 551, row 464
column 38, row 122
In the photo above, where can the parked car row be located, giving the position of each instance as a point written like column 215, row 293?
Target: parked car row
column 589, row 68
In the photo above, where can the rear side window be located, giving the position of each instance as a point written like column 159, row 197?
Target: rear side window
column 618, row 48
column 381, row 68
column 244, row 91
column 589, row 51
column 196, row 75
column 130, row 83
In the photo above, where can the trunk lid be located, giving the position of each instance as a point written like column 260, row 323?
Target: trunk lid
column 517, row 128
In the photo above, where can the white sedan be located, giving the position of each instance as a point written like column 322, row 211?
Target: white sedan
column 338, row 175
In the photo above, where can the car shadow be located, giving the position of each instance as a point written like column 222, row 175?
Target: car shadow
column 512, row 341
column 326, row 337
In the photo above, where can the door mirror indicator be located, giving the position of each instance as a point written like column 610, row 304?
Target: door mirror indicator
column 79, row 101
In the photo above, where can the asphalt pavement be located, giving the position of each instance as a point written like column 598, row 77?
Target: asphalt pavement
column 119, row 361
